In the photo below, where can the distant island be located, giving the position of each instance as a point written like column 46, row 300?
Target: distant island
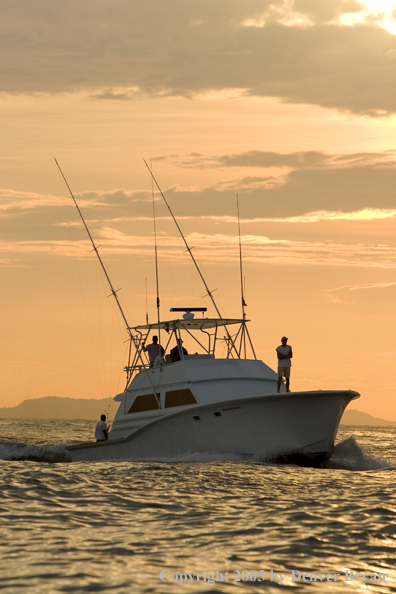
column 357, row 417
column 55, row 407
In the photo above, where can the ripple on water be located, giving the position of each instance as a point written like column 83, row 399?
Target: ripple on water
column 113, row 527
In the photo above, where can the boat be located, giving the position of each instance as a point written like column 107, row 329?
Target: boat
column 208, row 405
column 220, row 400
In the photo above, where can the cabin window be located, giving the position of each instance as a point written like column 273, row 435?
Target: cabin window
column 142, row 403
column 179, row 398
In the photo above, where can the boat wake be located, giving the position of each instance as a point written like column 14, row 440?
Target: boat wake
column 348, row 455
column 35, row 453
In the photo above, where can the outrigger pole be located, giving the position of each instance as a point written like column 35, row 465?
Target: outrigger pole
column 113, row 292
column 189, row 250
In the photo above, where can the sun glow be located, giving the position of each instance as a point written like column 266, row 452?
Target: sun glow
column 382, row 12
column 380, row 5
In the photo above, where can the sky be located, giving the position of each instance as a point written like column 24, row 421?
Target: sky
column 289, row 104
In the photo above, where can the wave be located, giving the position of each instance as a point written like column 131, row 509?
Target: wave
column 348, row 455
column 35, row 453
column 200, row 457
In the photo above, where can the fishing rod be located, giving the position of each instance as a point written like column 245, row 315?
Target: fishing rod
column 189, row 250
column 113, row 292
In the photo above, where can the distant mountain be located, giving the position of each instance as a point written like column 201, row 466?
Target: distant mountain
column 54, row 407
column 356, row 417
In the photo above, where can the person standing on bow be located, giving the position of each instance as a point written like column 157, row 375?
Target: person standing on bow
column 154, row 349
column 285, row 354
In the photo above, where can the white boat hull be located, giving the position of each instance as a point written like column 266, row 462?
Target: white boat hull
column 297, row 427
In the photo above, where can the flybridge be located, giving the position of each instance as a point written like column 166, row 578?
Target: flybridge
column 207, row 340
column 190, row 324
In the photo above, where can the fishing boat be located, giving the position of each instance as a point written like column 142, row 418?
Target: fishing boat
column 219, row 400
column 204, row 404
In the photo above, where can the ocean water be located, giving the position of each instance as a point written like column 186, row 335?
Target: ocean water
column 155, row 527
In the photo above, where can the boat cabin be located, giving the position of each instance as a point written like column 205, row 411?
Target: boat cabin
column 198, row 378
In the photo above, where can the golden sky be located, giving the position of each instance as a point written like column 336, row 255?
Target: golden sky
column 290, row 104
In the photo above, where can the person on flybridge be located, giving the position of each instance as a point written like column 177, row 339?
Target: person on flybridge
column 176, row 351
column 154, row 350
column 285, row 353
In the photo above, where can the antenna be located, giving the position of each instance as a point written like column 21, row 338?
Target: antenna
column 240, row 263
column 113, row 292
column 156, row 263
column 146, row 304
column 243, row 338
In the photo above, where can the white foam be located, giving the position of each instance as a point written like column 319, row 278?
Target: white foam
column 348, row 455
column 38, row 453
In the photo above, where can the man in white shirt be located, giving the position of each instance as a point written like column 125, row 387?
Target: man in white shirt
column 285, row 353
column 101, row 430
column 154, row 349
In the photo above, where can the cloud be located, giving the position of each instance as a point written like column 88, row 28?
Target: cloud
column 267, row 159
column 326, row 10
column 367, row 214
column 271, row 159
column 124, row 95
column 314, row 187
column 119, row 49
column 11, row 263
column 300, row 192
column 362, row 287
column 120, row 220
column 217, row 248
column 338, row 295
column 12, row 201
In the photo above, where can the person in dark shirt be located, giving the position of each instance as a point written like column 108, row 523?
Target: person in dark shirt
column 176, row 351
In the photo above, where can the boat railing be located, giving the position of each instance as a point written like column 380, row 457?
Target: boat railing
column 138, row 368
column 235, row 344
